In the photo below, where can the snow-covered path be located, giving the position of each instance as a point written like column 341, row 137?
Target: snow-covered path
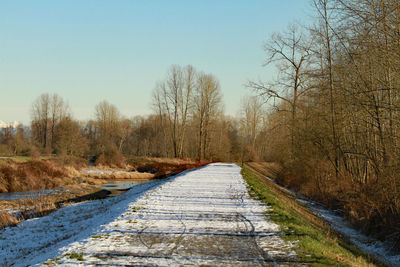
column 201, row 217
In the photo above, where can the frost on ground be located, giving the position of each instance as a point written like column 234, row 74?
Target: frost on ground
column 374, row 247
column 380, row 250
column 201, row 217
column 34, row 241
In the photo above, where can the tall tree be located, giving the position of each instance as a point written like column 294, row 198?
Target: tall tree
column 47, row 111
column 291, row 52
column 173, row 99
column 207, row 106
column 108, row 122
column 251, row 118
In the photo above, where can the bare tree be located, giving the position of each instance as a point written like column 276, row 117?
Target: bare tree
column 108, row 120
column 69, row 138
column 59, row 110
column 40, row 119
column 173, row 98
column 340, row 141
column 291, row 52
column 47, row 111
column 251, row 118
column 207, row 105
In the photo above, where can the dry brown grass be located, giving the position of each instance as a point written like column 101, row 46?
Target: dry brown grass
column 29, row 209
column 6, row 219
column 120, row 175
column 34, row 175
column 270, row 169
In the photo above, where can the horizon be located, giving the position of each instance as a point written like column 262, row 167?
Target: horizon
column 98, row 50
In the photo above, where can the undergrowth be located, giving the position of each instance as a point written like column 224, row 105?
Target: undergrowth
column 163, row 167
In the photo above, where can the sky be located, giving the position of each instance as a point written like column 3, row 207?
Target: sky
column 88, row 51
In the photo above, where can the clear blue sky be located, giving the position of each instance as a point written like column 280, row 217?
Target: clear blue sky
column 89, row 51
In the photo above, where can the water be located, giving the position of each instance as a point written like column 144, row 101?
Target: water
column 25, row 195
column 119, row 186
column 116, row 186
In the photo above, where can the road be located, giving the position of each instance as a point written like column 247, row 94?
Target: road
column 201, row 217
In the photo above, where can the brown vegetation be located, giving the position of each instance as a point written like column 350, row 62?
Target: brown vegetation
column 334, row 128
column 162, row 167
column 32, row 175
column 6, row 219
column 122, row 174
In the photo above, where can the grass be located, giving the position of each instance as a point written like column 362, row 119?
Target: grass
column 19, row 159
column 121, row 175
column 6, row 219
column 135, row 209
column 32, row 175
column 74, row 255
column 31, row 208
column 318, row 245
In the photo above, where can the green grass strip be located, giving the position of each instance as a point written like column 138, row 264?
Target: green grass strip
column 318, row 245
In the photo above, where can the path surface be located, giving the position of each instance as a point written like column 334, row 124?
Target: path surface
column 201, row 217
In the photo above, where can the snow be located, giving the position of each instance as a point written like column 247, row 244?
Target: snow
column 378, row 249
column 371, row 246
column 202, row 216
column 34, row 241
column 14, row 124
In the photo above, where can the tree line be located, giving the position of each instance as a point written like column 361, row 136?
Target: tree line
column 334, row 118
column 187, row 121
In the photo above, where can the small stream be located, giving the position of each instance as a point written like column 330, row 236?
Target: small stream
column 113, row 185
column 27, row 194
